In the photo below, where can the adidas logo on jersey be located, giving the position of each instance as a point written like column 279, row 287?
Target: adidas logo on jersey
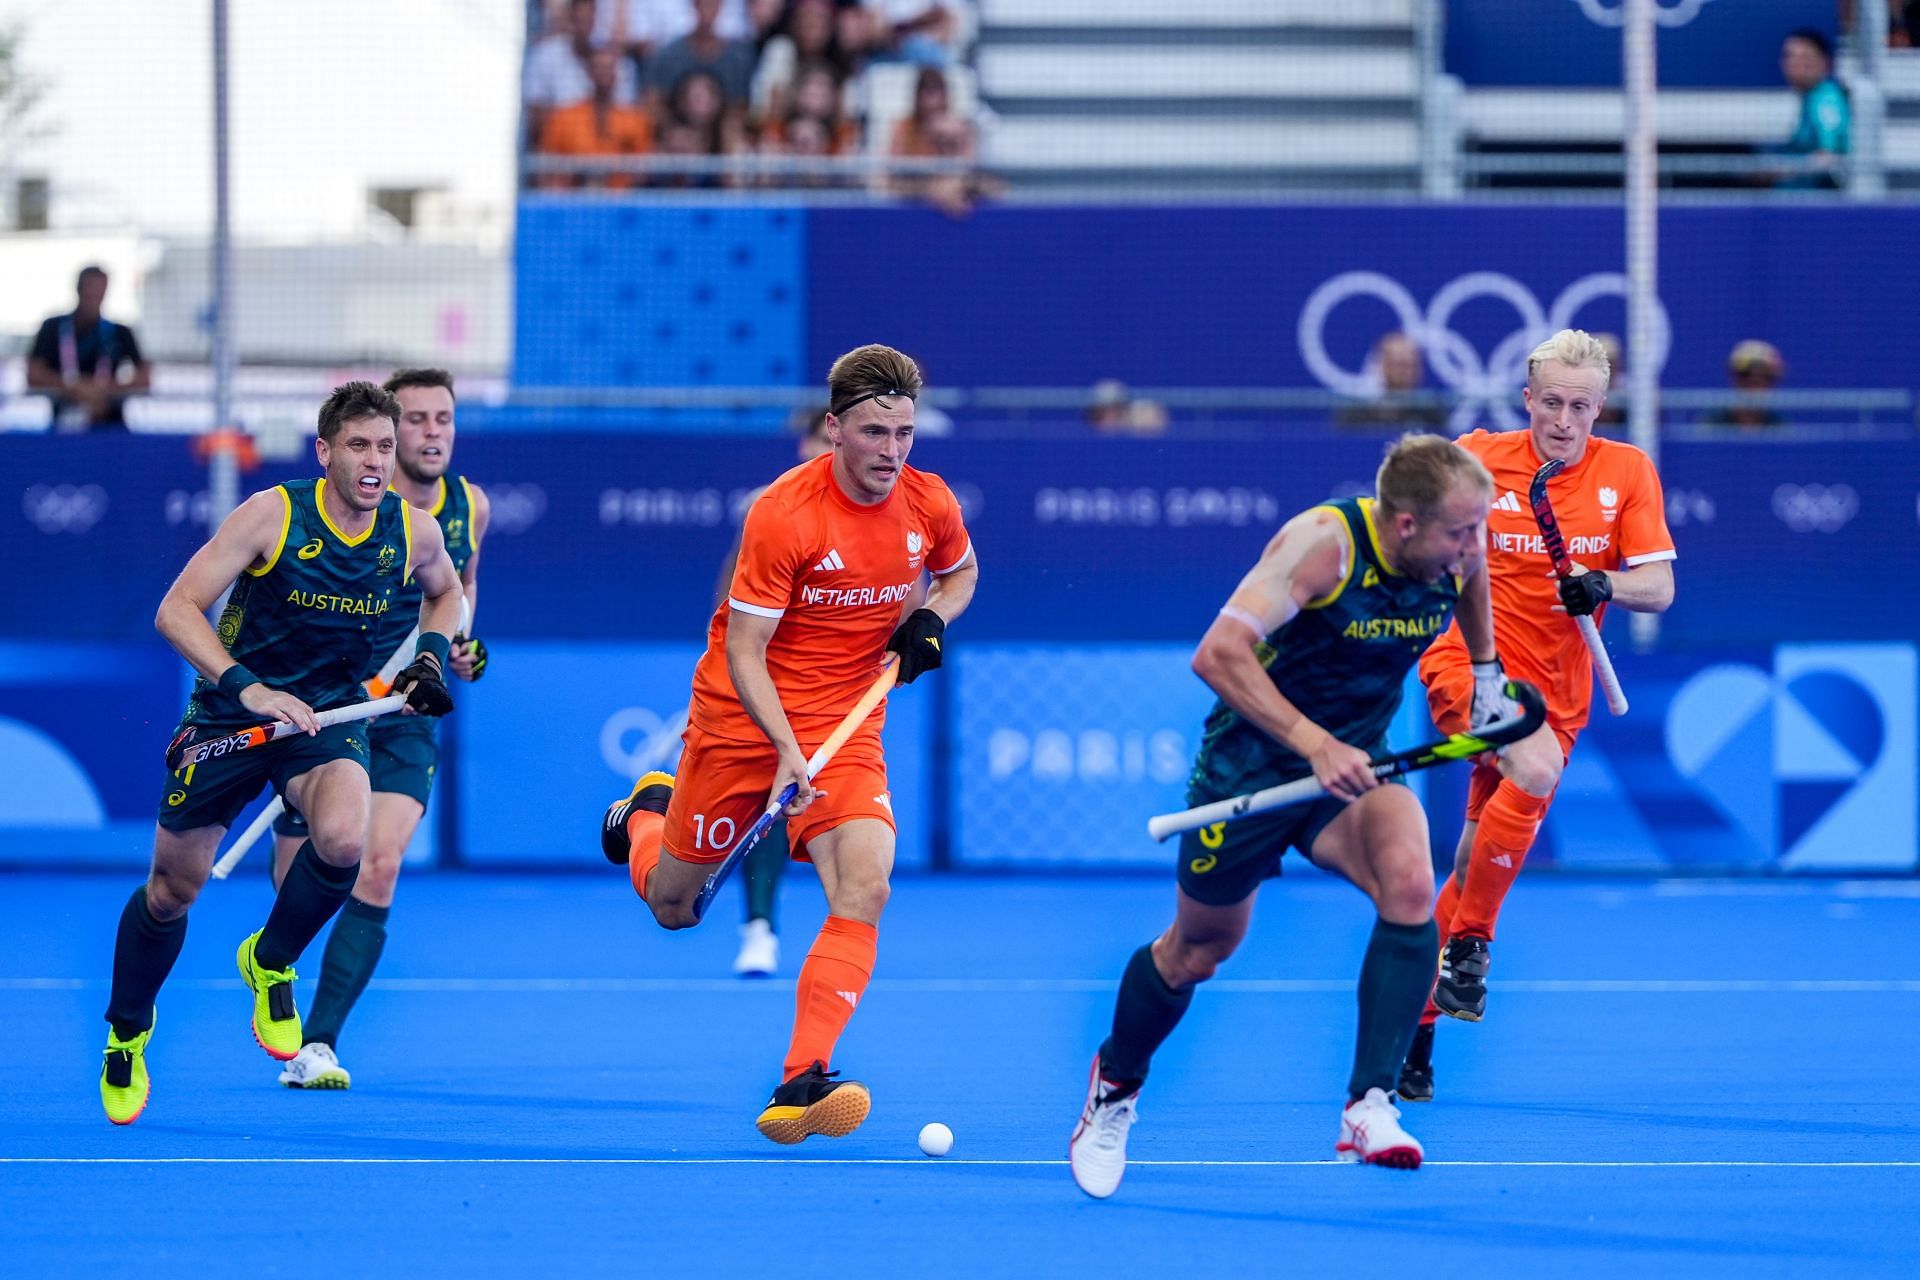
column 831, row 563
column 1509, row 501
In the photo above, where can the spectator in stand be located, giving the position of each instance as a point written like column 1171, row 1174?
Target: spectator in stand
column 730, row 62
column 644, row 27
column 918, row 31
column 807, row 35
column 598, row 126
column 556, row 73
column 696, row 122
column 1823, row 132
column 87, row 364
column 933, row 131
column 1755, row 367
column 1113, row 410
column 1401, row 405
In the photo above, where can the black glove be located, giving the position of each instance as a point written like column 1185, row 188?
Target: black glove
column 425, row 689
column 918, row 642
column 1585, row 592
column 479, row 653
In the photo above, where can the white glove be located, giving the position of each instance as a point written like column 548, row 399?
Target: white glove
column 1490, row 700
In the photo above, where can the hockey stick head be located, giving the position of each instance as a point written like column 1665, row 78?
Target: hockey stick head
column 1544, row 517
column 1501, row 733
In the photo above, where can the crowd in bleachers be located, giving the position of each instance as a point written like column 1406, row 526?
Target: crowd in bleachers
column 715, row 82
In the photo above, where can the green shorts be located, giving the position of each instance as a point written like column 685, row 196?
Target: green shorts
column 406, row 754
column 1221, row 864
column 213, row 792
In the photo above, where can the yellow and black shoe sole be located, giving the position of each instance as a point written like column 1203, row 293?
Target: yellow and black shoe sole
column 834, row 1116
column 613, row 835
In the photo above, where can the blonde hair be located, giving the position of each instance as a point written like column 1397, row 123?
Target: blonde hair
column 1575, row 348
column 871, row 372
column 1421, row 470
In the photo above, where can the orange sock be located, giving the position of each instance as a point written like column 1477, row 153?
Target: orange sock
column 1443, row 909
column 645, row 831
column 1507, row 827
column 832, row 981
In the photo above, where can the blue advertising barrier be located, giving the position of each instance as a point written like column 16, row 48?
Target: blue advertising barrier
column 558, row 731
column 1699, row 43
column 601, row 537
column 634, row 294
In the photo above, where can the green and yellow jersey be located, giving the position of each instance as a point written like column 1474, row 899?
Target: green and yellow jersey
column 1342, row 660
column 454, row 510
column 308, row 621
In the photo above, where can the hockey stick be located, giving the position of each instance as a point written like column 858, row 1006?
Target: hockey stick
column 248, row 838
column 376, row 685
column 815, row 763
column 1455, row 746
column 184, row 750
column 1562, row 565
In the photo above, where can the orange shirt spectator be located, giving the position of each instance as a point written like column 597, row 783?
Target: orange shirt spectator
column 598, row 126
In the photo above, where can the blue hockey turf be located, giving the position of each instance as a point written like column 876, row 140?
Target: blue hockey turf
column 1679, row 1078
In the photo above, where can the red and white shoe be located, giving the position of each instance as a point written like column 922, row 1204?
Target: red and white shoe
column 1370, row 1131
column 1097, row 1152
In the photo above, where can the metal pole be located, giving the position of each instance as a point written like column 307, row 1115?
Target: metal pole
column 223, row 478
column 1643, row 251
column 1867, row 173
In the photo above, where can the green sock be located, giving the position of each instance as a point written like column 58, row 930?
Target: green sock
column 353, row 949
column 766, row 863
column 1394, row 981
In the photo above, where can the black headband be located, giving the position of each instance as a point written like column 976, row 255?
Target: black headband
column 845, row 405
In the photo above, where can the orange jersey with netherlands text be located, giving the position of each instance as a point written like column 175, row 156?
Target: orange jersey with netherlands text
column 1612, row 513
column 837, row 575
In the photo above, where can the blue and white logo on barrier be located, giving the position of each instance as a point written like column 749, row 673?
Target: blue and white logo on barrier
column 1486, row 385
column 1678, row 13
column 1815, row 760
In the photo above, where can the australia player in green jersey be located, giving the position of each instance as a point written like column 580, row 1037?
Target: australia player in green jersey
column 1308, row 657
column 405, row 749
column 314, row 567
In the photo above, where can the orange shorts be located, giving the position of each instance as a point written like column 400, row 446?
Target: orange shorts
column 722, row 784
column 1450, row 703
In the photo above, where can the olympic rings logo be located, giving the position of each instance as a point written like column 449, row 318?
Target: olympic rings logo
column 1816, row 508
column 634, row 740
column 1483, row 386
column 1679, row 14
column 64, row 508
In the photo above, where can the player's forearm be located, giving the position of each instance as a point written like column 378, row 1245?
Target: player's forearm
column 1476, row 617
column 754, row 686
column 440, row 614
column 1648, row 589
column 185, row 627
column 1236, row 675
column 951, row 593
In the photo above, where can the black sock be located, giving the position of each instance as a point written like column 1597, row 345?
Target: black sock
column 353, row 949
column 1394, row 981
column 144, row 950
column 766, row 863
column 1144, row 1014
column 308, row 897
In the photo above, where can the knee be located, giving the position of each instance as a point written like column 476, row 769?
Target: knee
column 1184, row 962
column 1535, row 772
column 170, row 893
column 673, row 915
column 341, row 844
column 1404, row 890
column 863, row 899
column 379, row 872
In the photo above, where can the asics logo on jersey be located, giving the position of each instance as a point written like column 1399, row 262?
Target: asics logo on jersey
column 830, row 563
column 1509, row 501
column 312, row 549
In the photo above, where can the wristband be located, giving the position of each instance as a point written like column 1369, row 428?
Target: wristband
column 436, row 644
column 234, row 679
